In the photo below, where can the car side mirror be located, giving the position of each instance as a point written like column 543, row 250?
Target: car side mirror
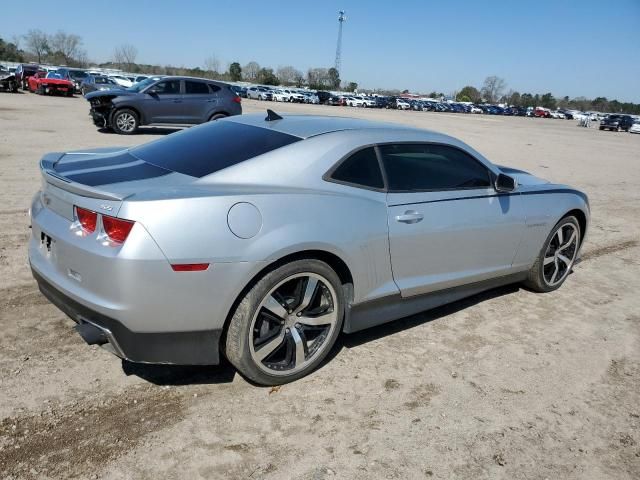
column 505, row 183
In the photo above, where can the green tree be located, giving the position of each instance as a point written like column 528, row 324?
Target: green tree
column 513, row 98
column 462, row 98
column 548, row 101
column 266, row 76
column 526, row 100
column 10, row 52
column 334, row 78
column 352, row 87
column 235, row 72
column 471, row 93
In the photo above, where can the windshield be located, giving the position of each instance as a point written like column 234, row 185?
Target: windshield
column 141, row 85
column 78, row 74
column 203, row 150
column 54, row 75
column 105, row 81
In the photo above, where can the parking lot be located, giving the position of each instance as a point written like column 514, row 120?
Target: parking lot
column 508, row 384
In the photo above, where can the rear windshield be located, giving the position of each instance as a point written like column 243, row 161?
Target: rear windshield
column 202, row 150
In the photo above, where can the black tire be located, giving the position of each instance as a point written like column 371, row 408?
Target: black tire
column 238, row 335
column 216, row 116
column 535, row 280
column 128, row 127
column 601, row 128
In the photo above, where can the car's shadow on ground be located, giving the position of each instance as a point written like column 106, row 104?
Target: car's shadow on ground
column 358, row 338
column 225, row 373
column 147, row 130
column 181, row 374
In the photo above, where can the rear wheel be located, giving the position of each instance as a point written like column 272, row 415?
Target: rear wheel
column 557, row 256
column 216, row 116
column 287, row 323
column 125, row 121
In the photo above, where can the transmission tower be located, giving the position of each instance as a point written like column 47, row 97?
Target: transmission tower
column 341, row 20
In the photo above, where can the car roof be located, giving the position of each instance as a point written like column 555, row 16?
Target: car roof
column 305, row 126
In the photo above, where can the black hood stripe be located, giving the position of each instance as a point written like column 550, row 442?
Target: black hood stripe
column 128, row 174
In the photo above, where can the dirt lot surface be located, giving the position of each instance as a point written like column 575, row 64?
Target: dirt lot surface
column 509, row 384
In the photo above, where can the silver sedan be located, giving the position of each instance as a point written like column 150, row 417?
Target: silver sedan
column 263, row 239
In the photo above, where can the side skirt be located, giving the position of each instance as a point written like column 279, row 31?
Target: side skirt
column 393, row 307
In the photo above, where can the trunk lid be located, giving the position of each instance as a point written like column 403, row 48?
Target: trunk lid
column 99, row 179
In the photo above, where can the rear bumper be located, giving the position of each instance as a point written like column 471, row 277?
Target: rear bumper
column 181, row 348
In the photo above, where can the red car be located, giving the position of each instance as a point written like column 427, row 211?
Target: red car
column 50, row 82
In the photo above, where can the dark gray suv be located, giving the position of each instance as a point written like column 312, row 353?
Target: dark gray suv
column 169, row 100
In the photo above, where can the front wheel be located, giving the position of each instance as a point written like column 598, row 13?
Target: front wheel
column 216, row 116
column 556, row 257
column 125, row 122
column 287, row 323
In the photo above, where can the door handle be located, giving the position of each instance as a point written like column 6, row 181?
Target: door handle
column 410, row 216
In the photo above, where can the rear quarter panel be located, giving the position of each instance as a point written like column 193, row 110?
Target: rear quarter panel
column 352, row 227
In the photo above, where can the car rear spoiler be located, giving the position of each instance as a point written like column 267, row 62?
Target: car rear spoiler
column 51, row 176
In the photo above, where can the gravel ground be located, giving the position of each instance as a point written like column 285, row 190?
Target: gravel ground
column 508, row 384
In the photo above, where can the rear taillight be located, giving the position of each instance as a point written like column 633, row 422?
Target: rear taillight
column 237, row 99
column 116, row 229
column 87, row 219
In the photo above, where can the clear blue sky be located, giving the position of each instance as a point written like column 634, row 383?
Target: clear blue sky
column 581, row 47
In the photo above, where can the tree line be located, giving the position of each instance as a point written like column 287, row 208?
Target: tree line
column 494, row 90
column 62, row 48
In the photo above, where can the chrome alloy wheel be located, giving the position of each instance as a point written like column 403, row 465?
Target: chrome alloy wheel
column 560, row 255
column 291, row 326
column 125, row 122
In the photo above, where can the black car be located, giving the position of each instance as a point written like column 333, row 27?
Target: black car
column 7, row 80
column 323, row 97
column 74, row 75
column 168, row 100
column 616, row 122
column 23, row 72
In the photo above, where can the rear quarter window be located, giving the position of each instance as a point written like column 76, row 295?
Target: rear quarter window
column 200, row 151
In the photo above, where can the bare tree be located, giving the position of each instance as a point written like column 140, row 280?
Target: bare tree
column 318, row 78
column 287, row 75
column 250, row 71
column 212, row 64
column 66, row 45
column 125, row 55
column 37, row 43
column 492, row 88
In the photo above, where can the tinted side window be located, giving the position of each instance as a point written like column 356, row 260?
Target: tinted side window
column 169, row 87
column 214, row 88
column 361, row 168
column 420, row 167
column 198, row 88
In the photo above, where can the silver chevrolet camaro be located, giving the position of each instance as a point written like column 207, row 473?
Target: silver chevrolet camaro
column 264, row 238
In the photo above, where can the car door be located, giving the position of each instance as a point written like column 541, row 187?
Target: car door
column 200, row 100
column 447, row 224
column 163, row 102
